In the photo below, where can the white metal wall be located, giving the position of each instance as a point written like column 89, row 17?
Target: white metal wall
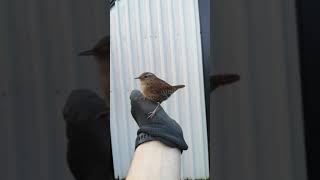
column 163, row 37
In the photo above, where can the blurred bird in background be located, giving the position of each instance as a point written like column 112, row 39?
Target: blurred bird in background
column 100, row 52
column 222, row 80
column 87, row 117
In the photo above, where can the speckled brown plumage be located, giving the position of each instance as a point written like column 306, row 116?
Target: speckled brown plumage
column 156, row 89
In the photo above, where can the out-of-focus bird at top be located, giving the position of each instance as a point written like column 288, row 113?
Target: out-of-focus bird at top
column 101, row 50
column 101, row 53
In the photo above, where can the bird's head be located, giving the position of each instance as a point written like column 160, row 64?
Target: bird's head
column 146, row 76
column 101, row 50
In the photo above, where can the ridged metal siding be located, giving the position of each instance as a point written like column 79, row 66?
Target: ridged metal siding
column 39, row 67
column 162, row 37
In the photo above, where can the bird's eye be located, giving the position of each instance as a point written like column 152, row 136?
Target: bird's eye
column 145, row 76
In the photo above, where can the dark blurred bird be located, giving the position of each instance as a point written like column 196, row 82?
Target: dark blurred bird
column 101, row 53
column 156, row 89
column 101, row 50
column 222, row 80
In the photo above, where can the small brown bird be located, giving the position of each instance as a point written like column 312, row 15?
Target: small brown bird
column 101, row 52
column 155, row 89
column 222, row 79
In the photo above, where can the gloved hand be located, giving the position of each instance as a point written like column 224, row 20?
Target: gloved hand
column 89, row 153
column 160, row 127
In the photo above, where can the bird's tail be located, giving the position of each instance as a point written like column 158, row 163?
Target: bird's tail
column 178, row 87
column 87, row 53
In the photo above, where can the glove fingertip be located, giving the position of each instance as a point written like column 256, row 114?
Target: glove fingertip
column 135, row 95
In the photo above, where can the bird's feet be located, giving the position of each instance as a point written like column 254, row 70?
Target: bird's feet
column 151, row 114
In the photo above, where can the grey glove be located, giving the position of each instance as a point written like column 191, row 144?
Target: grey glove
column 160, row 127
column 89, row 154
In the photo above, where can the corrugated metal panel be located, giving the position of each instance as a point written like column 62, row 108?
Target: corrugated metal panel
column 39, row 67
column 162, row 37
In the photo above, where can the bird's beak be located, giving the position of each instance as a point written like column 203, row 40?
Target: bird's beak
column 87, row 53
column 137, row 78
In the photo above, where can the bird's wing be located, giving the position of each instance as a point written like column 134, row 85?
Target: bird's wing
column 163, row 88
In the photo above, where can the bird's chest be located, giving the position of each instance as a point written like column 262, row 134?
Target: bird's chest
column 151, row 92
column 147, row 88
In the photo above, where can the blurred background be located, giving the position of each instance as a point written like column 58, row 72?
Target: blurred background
column 39, row 67
column 264, row 127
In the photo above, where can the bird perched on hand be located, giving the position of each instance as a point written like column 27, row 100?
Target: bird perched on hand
column 156, row 89
column 101, row 53
column 222, row 79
